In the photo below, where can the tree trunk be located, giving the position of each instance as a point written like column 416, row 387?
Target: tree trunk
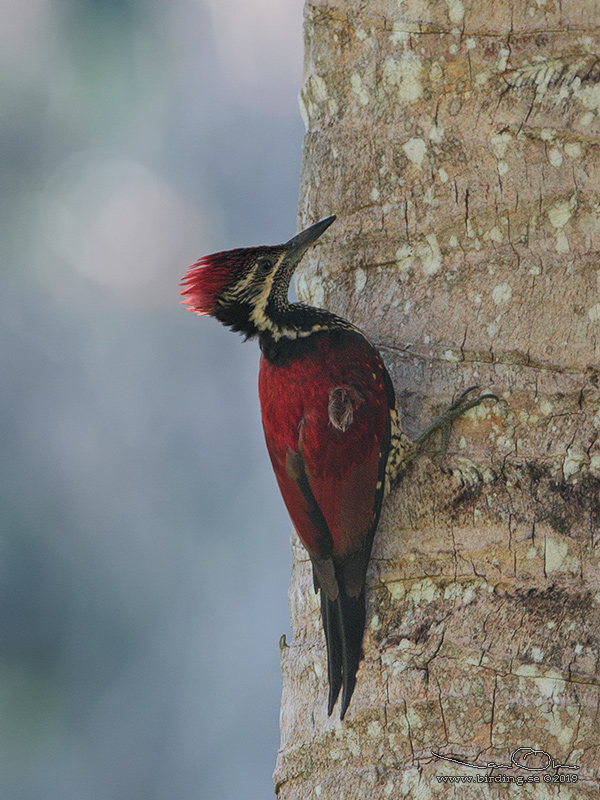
column 458, row 142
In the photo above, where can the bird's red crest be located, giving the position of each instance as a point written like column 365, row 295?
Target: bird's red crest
column 210, row 276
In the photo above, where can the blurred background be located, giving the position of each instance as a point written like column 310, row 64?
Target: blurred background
column 144, row 549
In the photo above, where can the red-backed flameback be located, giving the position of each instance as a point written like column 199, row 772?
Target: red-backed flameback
column 330, row 421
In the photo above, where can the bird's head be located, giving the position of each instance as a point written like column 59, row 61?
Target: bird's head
column 243, row 288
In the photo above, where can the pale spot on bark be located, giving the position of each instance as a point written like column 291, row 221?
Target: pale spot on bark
column 554, row 555
column 468, row 596
column 594, row 313
column 396, row 590
column 436, row 133
column 452, row 591
column 562, row 733
column 572, row 464
column 436, row 72
column 555, row 157
column 560, row 213
column 358, row 89
column 501, row 293
column 573, row 149
column 360, row 279
column 502, row 60
column 456, row 10
column 500, row 142
column 405, row 75
column 415, row 150
column 424, row 591
column 319, row 88
column 589, row 97
column 526, row 671
column 537, row 654
column 550, row 684
column 404, row 258
column 311, row 289
column 432, row 260
column 399, row 34
column 450, row 355
column 494, row 235
column 562, row 243
column 427, row 253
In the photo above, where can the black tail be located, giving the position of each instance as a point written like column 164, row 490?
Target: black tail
column 344, row 625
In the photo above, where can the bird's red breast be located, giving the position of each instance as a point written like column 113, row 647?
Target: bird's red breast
column 330, row 407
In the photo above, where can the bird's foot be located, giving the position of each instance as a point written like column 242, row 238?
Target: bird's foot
column 444, row 424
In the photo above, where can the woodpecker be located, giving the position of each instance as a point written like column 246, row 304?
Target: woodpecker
column 331, row 426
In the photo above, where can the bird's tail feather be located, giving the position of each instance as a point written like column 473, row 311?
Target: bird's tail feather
column 344, row 625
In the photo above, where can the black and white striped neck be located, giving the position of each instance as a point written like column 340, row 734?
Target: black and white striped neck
column 289, row 332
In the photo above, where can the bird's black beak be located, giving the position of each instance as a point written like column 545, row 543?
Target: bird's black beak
column 297, row 246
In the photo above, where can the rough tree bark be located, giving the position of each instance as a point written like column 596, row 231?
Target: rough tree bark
column 458, row 142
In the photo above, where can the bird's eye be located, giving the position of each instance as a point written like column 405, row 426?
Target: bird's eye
column 264, row 266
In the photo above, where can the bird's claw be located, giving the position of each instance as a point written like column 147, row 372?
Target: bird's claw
column 444, row 422
column 460, row 405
